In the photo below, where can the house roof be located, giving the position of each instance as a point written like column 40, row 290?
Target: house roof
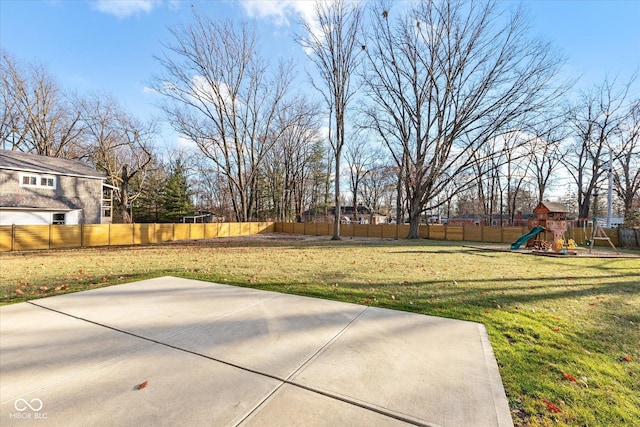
column 553, row 206
column 35, row 201
column 27, row 162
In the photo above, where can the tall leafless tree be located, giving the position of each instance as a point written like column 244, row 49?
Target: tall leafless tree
column 361, row 159
column 514, row 173
column 220, row 94
column 595, row 120
column 333, row 43
column 37, row 116
column 446, row 77
column 626, row 170
column 378, row 186
column 120, row 146
column 289, row 166
column 545, row 150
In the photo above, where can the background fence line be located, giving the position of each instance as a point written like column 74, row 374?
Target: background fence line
column 469, row 233
column 35, row 237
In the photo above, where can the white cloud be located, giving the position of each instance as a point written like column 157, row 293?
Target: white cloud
column 149, row 91
column 125, row 8
column 186, row 144
column 281, row 11
column 219, row 94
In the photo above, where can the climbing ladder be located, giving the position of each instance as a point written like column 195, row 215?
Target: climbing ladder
column 599, row 234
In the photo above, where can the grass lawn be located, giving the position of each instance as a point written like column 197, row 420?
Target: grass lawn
column 565, row 331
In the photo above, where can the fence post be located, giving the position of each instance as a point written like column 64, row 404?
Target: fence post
column 13, row 237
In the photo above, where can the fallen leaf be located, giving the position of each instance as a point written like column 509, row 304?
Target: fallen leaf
column 592, row 304
column 569, row 377
column 141, row 386
column 556, row 329
column 43, row 288
column 553, row 408
column 627, row 358
column 19, row 292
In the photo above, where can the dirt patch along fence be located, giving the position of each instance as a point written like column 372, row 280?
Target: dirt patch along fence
column 34, row 237
column 468, row 233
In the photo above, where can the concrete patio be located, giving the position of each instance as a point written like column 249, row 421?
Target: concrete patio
column 218, row 355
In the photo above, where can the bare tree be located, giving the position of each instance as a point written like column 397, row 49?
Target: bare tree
column 12, row 128
column 37, row 116
column 545, row 150
column 361, row 159
column 289, row 166
column 513, row 174
column 595, row 120
column 487, row 165
column 219, row 94
column 377, row 187
column 626, row 171
column 120, row 146
column 211, row 188
column 332, row 41
column 446, row 77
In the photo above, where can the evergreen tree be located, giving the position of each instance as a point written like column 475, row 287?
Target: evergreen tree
column 177, row 195
column 149, row 207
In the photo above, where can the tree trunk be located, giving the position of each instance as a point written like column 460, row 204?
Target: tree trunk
column 414, row 220
column 124, row 196
column 338, row 214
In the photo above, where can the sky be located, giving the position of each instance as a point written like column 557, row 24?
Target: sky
column 108, row 46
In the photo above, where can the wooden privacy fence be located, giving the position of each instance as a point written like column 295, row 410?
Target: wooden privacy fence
column 469, row 233
column 32, row 237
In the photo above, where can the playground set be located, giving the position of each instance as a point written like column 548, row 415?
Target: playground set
column 551, row 218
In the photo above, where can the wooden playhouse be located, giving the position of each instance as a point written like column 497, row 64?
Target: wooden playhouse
column 553, row 217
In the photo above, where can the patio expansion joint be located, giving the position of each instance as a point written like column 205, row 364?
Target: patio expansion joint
column 283, row 381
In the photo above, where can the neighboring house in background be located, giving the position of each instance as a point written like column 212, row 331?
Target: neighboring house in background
column 48, row 190
column 365, row 215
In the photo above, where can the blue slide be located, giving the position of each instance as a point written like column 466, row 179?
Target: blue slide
column 525, row 237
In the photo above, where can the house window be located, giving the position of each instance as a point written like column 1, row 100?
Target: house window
column 29, row 180
column 107, row 202
column 39, row 181
column 58, row 219
column 46, row 182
